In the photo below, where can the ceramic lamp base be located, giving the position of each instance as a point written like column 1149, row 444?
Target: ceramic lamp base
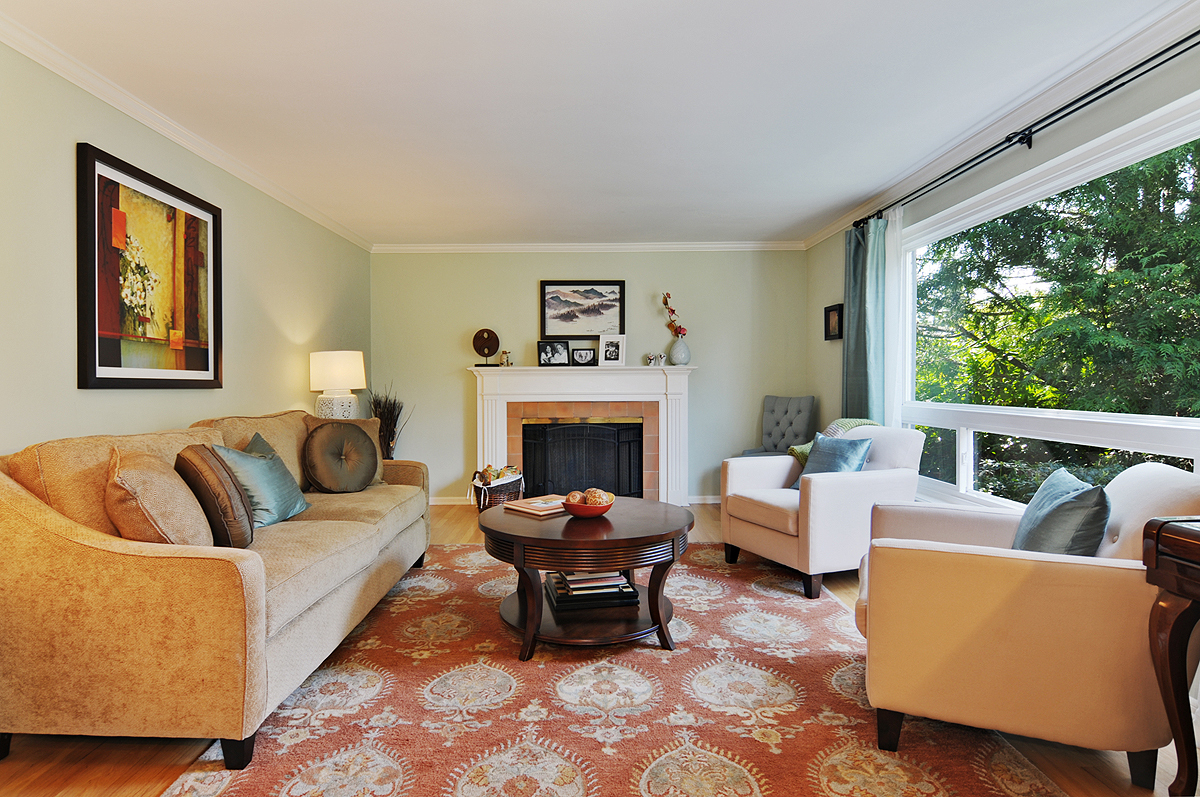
column 331, row 406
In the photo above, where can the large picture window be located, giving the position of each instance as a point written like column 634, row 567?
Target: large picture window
column 1082, row 313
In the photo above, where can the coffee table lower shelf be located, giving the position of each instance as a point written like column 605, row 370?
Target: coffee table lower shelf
column 602, row 626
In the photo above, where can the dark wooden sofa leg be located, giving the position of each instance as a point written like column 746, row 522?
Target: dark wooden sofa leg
column 238, row 752
column 731, row 554
column 1143, row 767
column 888, row 724
column 812, row 585
column 5, row 744
column 420, row 561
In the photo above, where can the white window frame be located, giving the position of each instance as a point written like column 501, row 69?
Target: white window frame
column 1168, row 127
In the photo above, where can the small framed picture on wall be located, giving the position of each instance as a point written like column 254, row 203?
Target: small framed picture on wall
column 833, row 322
column 612, row 350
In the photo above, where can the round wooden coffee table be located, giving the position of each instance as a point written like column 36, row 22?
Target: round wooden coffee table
column 634, row 533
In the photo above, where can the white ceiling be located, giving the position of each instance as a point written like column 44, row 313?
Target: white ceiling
column 452, row 123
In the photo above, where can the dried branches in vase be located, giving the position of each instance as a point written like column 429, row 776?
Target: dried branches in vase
column 387, row 408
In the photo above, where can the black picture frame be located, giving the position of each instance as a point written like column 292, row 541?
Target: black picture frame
column 581, row 309
column 133, row 330
column 553, row 353
column 583, row 356
column 833, row 322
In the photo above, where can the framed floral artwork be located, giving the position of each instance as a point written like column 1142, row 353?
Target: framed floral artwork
column 582, row 309
column 149, row 279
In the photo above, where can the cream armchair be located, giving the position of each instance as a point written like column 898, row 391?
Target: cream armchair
column 962, row 629
column 825, row 527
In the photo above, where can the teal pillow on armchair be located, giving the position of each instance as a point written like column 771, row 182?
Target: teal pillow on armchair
column 837, row 454
column 1065, row 515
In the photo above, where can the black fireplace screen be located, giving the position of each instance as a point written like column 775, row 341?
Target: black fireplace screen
column 561, row 457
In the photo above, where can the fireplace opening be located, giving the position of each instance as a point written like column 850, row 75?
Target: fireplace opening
column 565, row 454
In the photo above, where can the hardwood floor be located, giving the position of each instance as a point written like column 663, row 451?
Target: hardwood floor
column 87, row 766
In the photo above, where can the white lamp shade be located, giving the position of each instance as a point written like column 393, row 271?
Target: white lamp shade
column 336, row 370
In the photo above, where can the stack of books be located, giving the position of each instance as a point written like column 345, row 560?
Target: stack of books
column 589, row 590
column 541, row 506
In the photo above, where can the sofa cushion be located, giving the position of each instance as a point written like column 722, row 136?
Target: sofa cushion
column 836, row 455
column 340, row 458
column 273, row 492
column 225, row 504
column 370, row 426
column 1065, row 515
column 392, row 506
column 304, row 560
column 149, row 502
column 284, row 431
column 71, row 475
column 775, row 508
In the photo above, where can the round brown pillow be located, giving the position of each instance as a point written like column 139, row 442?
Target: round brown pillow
column 339, row 458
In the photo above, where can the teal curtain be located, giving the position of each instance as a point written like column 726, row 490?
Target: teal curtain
column 862, row 347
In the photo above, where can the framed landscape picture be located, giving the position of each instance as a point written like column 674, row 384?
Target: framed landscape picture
column 149, row 279
column 583, row 309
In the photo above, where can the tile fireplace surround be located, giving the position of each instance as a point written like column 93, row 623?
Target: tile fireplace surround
column 659, row 396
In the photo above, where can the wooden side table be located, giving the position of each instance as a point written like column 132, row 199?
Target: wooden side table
column 1171, row 553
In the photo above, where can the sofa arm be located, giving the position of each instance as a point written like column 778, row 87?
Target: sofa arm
column 406, row 471
column 107, row 636
column 1036, row 644
column 992, row 527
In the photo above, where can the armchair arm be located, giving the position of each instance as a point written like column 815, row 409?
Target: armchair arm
column 1036, row 644
column 841, row 504
column 985, row 526
column 406, row 471
column 108, row 636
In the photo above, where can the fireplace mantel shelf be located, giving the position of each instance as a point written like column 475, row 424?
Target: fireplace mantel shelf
column 667, row 386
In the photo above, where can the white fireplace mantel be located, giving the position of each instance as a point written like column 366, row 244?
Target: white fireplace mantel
column 497, row 387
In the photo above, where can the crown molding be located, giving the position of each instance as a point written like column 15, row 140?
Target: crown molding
column 42, row 52
column 1085, row 73
column 685, row 246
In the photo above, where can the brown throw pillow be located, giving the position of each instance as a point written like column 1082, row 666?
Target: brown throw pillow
column 340, row 458
column 220, row 495
column 149, row 502
column 369, row 425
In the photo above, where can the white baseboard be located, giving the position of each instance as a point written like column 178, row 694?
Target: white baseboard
column 460, row 501
column 704, row 499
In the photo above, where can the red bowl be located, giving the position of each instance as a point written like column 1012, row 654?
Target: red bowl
column 587, row 510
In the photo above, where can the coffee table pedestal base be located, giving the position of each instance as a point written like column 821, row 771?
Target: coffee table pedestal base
column 602, row 626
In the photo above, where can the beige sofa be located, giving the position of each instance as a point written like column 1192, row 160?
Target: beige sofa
column 101, row 635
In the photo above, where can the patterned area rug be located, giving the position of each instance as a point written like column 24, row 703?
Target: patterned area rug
column 763, row 695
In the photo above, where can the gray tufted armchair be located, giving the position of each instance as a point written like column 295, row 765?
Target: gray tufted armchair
column 787, row 421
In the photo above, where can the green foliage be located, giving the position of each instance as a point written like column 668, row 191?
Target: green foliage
column 1087, row 300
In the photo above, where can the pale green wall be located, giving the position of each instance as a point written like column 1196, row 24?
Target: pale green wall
column 826, row 286
column 746, row 313
column 291, row 286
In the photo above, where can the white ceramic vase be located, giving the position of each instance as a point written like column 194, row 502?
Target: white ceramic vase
column 680, row 353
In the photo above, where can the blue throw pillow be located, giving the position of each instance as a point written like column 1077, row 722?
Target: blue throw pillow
column 1066, row 515
column 270, row 486
column 837, row 454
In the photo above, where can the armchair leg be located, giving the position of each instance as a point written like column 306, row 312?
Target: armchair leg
column 888, row 724
column 420, row 561
column 238, row 752
column 5, row 744
column 812, row 585
column 1143, row 768
column 731, row 553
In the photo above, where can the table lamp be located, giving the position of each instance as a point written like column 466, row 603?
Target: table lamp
column 336, row 373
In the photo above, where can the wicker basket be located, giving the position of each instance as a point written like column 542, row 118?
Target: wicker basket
column 497, row 492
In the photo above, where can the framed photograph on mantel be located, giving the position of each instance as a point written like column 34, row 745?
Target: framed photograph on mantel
column 148, row 279
column 582, row 309
column 553, row 352
column 612, row 350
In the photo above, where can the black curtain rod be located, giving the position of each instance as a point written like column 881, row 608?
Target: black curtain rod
column 1025, row 136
